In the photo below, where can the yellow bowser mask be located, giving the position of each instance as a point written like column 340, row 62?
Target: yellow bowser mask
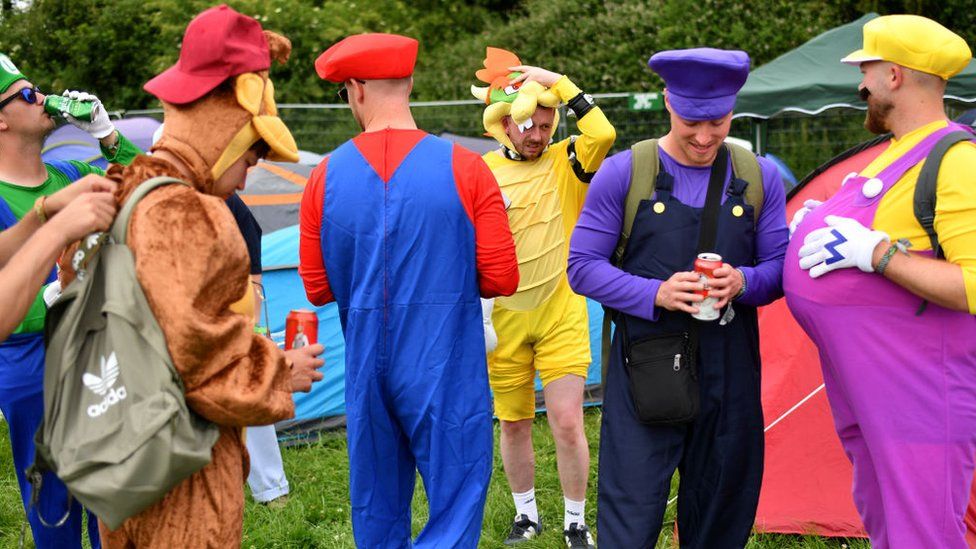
column 504, row 99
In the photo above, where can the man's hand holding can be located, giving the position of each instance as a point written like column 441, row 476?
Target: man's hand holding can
column 305, row 363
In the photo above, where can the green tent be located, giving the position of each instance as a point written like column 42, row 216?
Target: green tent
column 811, row 78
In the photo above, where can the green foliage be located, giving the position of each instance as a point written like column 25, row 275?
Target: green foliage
column 113, row 47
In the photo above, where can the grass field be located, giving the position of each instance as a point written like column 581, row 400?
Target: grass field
column 317, row 513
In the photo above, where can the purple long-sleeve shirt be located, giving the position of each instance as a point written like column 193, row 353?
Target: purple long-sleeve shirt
column 598, row 229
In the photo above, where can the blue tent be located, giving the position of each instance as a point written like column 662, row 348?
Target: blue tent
column 325, row 405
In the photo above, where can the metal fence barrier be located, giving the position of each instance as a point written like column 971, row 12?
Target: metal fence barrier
column 802, row 142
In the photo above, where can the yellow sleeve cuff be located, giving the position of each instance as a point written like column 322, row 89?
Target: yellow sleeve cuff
column 565, row 89
column 969, row 279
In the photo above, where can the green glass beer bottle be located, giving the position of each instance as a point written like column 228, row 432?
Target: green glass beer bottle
column 82, row 110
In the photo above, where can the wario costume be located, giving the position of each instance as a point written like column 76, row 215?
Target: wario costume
column 404, row 231
column 720, row 453
column 901, row 380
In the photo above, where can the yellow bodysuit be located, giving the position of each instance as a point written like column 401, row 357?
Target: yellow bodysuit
column 544, row 327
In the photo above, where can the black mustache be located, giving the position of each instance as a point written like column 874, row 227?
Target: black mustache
column 864, row 93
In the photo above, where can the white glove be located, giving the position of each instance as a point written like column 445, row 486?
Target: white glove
column 808, row 206
column 843, row 243
column 491, row 338
column 100, row 126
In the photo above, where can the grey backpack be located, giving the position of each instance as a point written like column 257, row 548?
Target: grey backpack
column 116, row 426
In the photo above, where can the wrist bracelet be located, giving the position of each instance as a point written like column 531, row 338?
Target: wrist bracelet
column 742, row 290
column 883, row 264
column 902, row 244
column 39, row 209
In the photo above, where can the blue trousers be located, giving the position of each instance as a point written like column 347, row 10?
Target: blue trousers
column 22, row 404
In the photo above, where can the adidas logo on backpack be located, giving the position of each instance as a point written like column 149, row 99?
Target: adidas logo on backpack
column 102, row 385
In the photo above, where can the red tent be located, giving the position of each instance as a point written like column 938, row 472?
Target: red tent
column 807, row 480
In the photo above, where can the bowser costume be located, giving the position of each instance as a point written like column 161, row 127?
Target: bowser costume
column 719, row 455
column 404, row 231
column 543, row 327
column 22, row 354
column 901, row 383
column 191, row 261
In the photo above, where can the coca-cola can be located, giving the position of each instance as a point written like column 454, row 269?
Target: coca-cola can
column 705, row 266
column 301, row 329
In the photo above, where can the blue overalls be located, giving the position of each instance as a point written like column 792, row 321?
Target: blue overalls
column 22, row 405
column 400, row 257
column 720, row 454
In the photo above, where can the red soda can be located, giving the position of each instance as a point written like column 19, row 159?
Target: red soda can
column 705, row 265
column 301, row 329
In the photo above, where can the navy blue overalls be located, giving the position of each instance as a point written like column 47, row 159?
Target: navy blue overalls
column 720, row 454
column 401, row 262
column 22, row 405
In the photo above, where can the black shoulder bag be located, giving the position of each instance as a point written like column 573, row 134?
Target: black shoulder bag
column 662, row 370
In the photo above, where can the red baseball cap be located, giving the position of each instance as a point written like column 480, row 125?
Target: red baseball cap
column 373, row 56
column 218, row 43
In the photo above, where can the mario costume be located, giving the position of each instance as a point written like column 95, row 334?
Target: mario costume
column 22, row 354
column 192, row 264
column 900, row 379
column 544, row 327
column 404, row 231
column 720, row 453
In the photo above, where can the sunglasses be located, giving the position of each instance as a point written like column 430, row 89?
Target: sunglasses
column 343, row 92
column 27, row 94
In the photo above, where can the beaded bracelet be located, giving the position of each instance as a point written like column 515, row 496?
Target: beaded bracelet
column 901, row 244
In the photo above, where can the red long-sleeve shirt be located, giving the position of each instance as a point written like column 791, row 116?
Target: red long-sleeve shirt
column 476, row 186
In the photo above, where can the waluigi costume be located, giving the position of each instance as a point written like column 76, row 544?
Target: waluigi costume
column 192, row 264
column 720, row 453
column 404, row 231
column 901, row 384
column 543, row 327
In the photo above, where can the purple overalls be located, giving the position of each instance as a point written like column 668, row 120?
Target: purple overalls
column 902, row 387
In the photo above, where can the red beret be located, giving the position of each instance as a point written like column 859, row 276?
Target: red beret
column 368, row 57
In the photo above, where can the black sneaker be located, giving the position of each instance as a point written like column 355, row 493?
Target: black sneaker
column 523, row 529
column 578, row 537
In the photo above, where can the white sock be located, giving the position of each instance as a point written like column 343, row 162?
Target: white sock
column 574, row 512
column 525, row 505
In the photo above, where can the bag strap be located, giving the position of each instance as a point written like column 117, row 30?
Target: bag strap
column 121, row 224
column 925, row 187
column 708, row 234
column 708, row 227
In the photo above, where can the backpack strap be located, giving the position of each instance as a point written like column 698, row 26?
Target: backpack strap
column 644, row 165
column 745, row 166
column 121, row 224
column 925, row 187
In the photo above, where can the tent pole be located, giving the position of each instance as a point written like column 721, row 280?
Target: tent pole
column 759, row 138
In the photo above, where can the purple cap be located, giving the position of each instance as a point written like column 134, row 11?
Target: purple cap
column 701, row 82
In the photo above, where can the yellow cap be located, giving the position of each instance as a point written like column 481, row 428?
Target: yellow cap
column 914, row 42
